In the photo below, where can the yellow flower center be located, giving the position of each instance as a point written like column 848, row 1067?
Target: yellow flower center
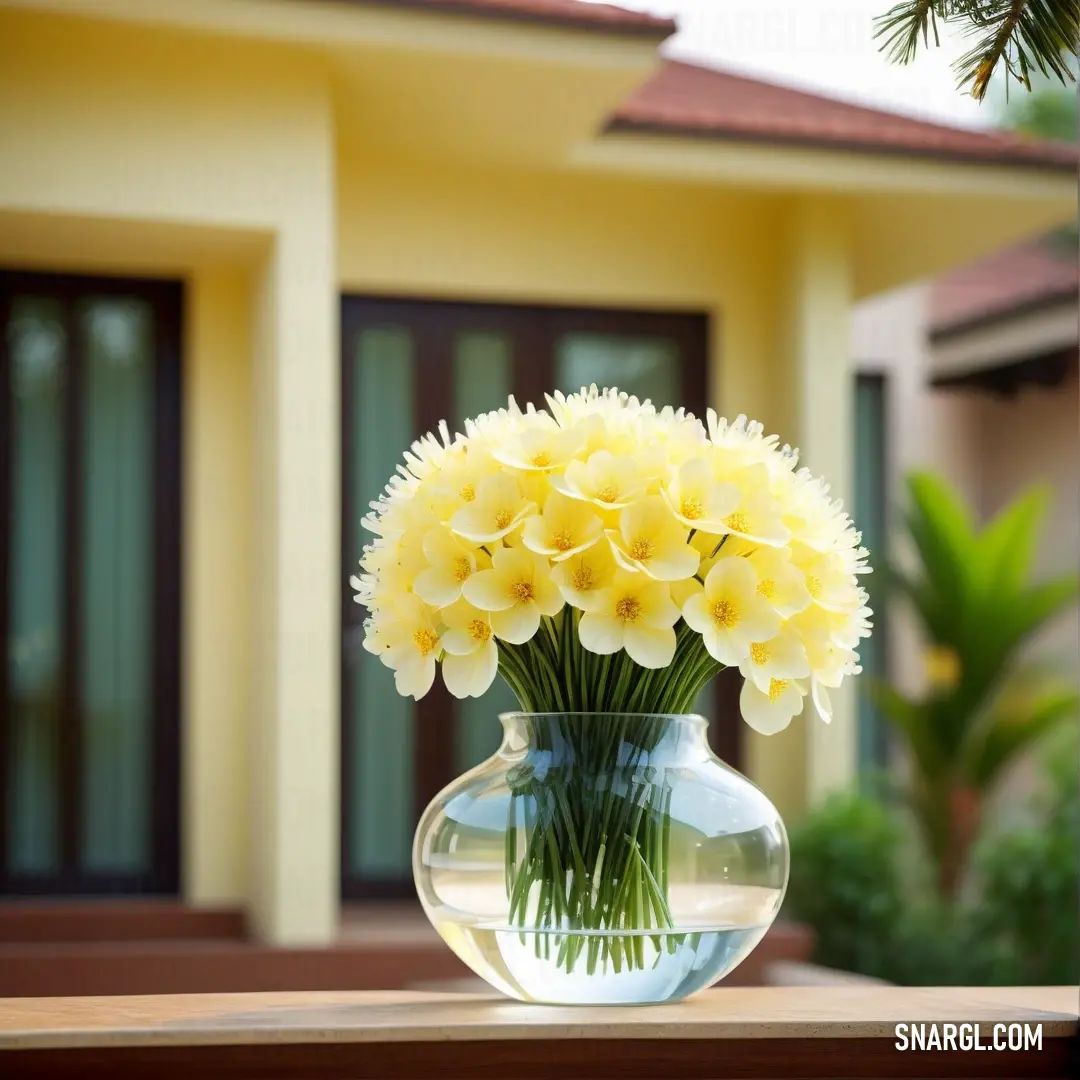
column 522, row 591
column 813, row 585
column 503, row 519
column 767, row 589
column 582, row 578
column 642, row 548
column 541, row 459
column 608, row 493
column 737, row 522
column 462, row 568
column 628, row 608
column 468, row 492
column 691, row 509
column 479, row 630
column 725, row 614
column 425, row 640
column 562, row 540
column 759, row 653
column 776, row 688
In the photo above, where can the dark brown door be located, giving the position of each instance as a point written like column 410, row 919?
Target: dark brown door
column 89, row 584
column 406, row 366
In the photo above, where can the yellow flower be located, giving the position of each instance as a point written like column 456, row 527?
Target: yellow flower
column 538, row 444
column 635, row 613
column 696, row 498
column 729, row 613
column 943, row 667
column 471, row 660
column 450, row 564
column 499, row 508
column 517, row 590
column 757, row 516
column 782, row 657
column 649, row 539
column 457, row 485
column 827, row 580
column 779, row 582
column 608, row 481
column 408, row 643
column 582, row 577
column 566, row 527
column 771, row 710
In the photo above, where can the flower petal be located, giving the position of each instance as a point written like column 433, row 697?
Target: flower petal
column 764, row 716
column 472, row 675
column 437, row 587
column 488, row 591
column 600, row 632
column 459, row 642
column 547, row 596
column 651, row 647
column 516, row 624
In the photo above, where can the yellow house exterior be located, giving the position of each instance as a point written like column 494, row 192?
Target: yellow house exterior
column 274, row 155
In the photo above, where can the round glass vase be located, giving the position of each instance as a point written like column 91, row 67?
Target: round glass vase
column 601, row 859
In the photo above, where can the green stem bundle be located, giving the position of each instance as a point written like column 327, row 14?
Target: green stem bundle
column 587, row 840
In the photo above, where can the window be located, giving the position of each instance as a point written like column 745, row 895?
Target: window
column 89, row 584
column 406, row 366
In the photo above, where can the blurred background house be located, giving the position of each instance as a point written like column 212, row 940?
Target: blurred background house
column 249, row 249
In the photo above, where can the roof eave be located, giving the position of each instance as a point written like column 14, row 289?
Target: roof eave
column 622, row 125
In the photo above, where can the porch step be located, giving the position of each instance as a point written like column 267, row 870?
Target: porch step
column 62, row 921
column 214, row 966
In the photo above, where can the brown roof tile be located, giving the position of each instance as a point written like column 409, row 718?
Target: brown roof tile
column 605, row 17
column 1012, row 280
column 690, row 100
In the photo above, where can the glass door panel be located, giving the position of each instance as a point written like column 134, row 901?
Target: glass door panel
column 89, row 585
column 117, row 585
column 37, row 344
column 645, row 367
column 381, row 743
column 483, row 380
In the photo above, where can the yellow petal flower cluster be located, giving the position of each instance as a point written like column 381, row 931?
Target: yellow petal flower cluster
column 646, row 521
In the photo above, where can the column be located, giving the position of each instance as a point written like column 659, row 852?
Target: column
column 823, row 377
column 295, row 884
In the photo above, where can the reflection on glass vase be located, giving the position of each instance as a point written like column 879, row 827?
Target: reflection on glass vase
column 601, row 858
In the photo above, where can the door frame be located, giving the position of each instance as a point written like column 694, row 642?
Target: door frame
column 535, row 327
column 166, row 299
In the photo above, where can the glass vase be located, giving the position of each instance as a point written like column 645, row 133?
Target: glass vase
column 601, row 858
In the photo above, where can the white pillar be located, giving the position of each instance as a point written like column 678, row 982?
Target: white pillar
column 295, row 885
column 823, row 371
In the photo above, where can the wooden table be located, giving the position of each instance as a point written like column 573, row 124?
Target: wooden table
column 785, row 1032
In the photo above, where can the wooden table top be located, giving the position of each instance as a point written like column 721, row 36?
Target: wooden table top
column 723, row 1034
column 399, row 1016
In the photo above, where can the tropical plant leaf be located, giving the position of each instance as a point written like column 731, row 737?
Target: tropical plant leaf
column 1006, row 547
column 941, row 528
column 911, row 721
column 1013, row 730
column 1038, row 604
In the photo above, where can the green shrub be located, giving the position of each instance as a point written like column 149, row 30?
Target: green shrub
column 1025, row 925
column 866, row 893
column 845, row 883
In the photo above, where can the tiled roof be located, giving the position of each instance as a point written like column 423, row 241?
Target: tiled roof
column 689, row 100
column 607, row 17
column 1010, row 281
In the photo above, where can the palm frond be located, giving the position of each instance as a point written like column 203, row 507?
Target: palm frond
column 1018, row 37
column 902, row 26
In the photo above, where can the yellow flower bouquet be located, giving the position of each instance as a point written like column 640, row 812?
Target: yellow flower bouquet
column 607, row 557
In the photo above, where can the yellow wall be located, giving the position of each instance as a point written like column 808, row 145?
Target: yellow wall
column 218, row 582
column 535, row 237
